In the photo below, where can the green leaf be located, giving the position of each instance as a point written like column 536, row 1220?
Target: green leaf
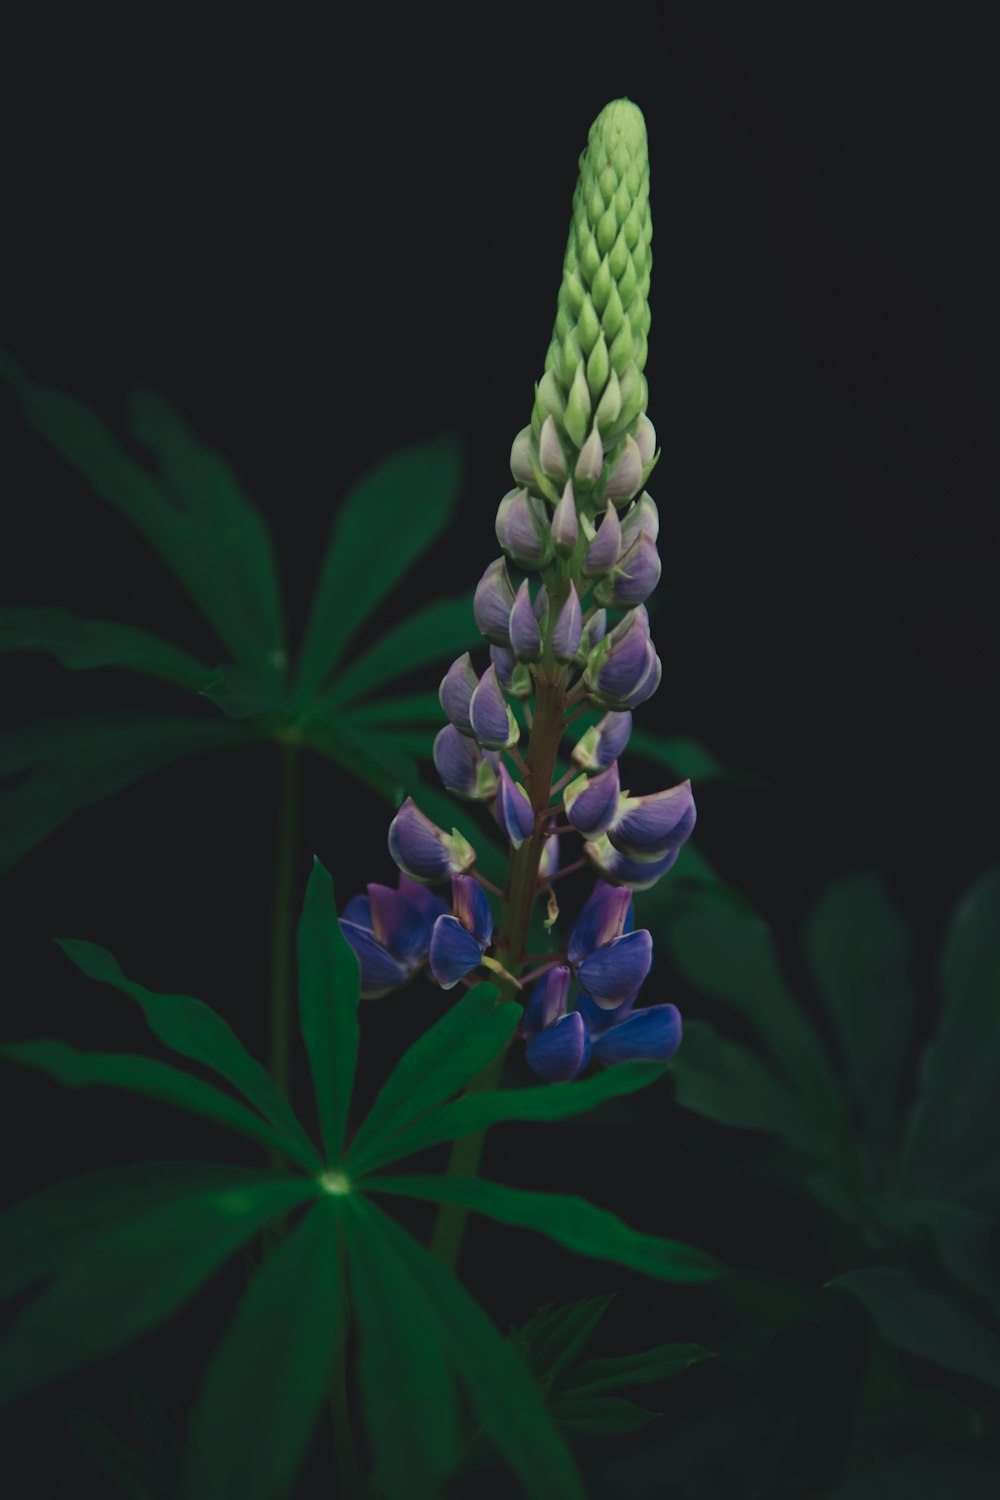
column 922, row 1322
column 650, row 1365
column 965, row 1239
column 686, row 757
column 189, row 538
column 199, row 477
column 504, row 1396
column 558, row 1337
column 406, row 1381
column 368, row 766
column 388, row 520
column 132, row 1474
column 571, row 1221
column 598, row 1416
column 132, row 1278
column 329, row 991
column 725, row 1082
column 729, row 953
column 475, row 1112
column 241, row 695
column 951, row 1149
column 81, row 644
column 75, row 761
column 195, row 1030
column 411, row 708
column 442, row 1061
column 43, row 1232
column 445, row 628
column 144, row 1075
column 858, row 951
column 268, row 1378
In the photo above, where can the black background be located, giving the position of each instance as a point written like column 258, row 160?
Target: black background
column 320, row 245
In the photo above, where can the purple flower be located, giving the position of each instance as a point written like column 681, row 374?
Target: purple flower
column 515, row 814
column 493, row 602
column 609, row 962
column 590, row 464
column 653, row 1032
column 642, row 516
column 603, row 743
column 560, row 1052
column 592, row 804
column 636, row 874
column 565, row 525
column 647, row 828
column 547, row 1001
column 423, row 851
column 458, row 942
column 636, row 574
column 524, row 634
column 455, row 693
column 602, row 554
column 623, row 669
column 463, row 767
column 491, row 716
column 625, row 478
column 512, row 675
column 550, row 455
column 523, row 529
column 390, row 932
column 567, row 630
column 560, row 1045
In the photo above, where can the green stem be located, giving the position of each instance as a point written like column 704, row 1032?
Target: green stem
column 350, row 1481
column 279, row 1044
column 522, row 890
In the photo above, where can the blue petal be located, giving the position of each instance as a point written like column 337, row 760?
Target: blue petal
column 453, row 952
column 548, row 1001
column 598, row 1019
column 561, row 1051
column 470, row 904
column 515, row 813
column 654, row 1032
column 601, row 920
column 380, row 972
column 419, row 846
column 398, row 924
column 616, row 971
column 430, row 904
column 359, row 911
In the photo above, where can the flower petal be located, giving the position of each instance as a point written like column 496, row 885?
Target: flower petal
column 380, row 972
column 601, row 920
column 653, row 1032
column 453, row 952
column 471, row 905
column 617, row 970
column 548, row 1001
column 561, row 1051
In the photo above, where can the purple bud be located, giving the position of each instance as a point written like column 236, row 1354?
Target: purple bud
column 548, row 1001
column 549, row 862
column 423, row 851
column 604, row 743
column 560, row 1052
column 565, row 525
column 653, row 1033
column 591, row 805
column 492, row 603
column 521, row 456
column 514, row 811
column 602, row 919
column 635, row 577
column 633, row 874
column 380, row 972
column 523, row 529
column 642, row 516
column 524, row 634
column 567, row 632
column 602, row 553
column 551, row 459
column 512, row 675
column 614, row 972
column 590, row 464
column 648, row 827
column 625, row 478
column 490, row 714
column 597, row 628
column 645, row 440
column 456, row 690
column 454, row 951
column 463, row 767
column 471, row 906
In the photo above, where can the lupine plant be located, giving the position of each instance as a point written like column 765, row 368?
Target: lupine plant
column 440, row 1391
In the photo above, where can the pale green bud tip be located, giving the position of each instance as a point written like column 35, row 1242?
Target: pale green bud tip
column 620, row 123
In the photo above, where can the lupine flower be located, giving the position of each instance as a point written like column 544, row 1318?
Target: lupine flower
column 646, row 828
column 603, row 743
column 524, row 633
column 602, row 554
column 491, row 716
column 512, row 675
column 463, row 767
column 625, row 479
column 560, row 1045
column 636, row 574
column 609, row 962
column 623, row 669
column 514, row 811
column 590, row 464
column 592, row 803
column 565, row 524
column 423, row 851
column 493, row 602
column 626, row 1034
column 620, row 869
column 458, row 941
column 390, row 933
column 456, row 690
column 645, row 441
column 522, row 529
column 567, row 631
column 642, row 516
column 550, row 454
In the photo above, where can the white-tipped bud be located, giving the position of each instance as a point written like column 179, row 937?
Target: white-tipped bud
column 551, row 458
column 565, row 526
column 625, row 479
column 590, row 464
column 521, row 465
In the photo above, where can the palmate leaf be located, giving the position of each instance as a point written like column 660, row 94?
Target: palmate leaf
column 388, row 519
column 572, row 1222
column 446, row 627
column 269, row 1376
column 475, row 1112
column 554, row 1336
column 131, row 1278
column 598, row 1416
column 73, row 762
column 503, row 1395
column 329, row 992
column 599, row 1376
column 407, row 1382
column 195, row 1030
column 81, row 644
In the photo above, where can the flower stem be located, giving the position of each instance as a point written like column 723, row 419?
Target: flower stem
column 345, row 1455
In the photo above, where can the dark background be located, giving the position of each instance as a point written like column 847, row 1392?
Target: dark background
column 320, row 246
